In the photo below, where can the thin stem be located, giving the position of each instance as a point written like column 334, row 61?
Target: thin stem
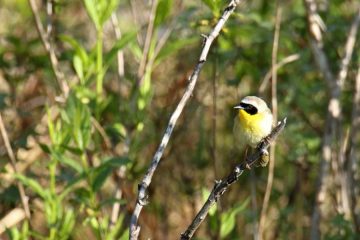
column 23, row 197
column 99, row 64
column 120, row 54
column 274, row 111
column 149, row 33
column 49, row 49
column 52, row 172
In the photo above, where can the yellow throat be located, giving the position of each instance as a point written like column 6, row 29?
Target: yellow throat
column 250, row 122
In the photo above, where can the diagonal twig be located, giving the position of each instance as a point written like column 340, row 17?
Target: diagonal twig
column 149, row 34
column 45, row 39
column 23, row 197
column 221, row 186
column 289, row 59
column 142, row 195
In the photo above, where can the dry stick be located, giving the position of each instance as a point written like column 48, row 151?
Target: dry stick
column 45, row 39
column 120, row 54
column 275, row 112
column 344, row 176
column 221, row 186
column 120, row 171
column 142, row 195
column 23, row 197
column 149, row 33
column 254, row 206
column 353, row 158
column 283, row 62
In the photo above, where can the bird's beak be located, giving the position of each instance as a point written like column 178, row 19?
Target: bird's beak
column 238, row 107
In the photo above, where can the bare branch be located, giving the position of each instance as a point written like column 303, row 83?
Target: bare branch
column 349, row 48
column 221, row 186
column 142, row 195
column 353, row 158
column 280, row 64
column 120, row 54
column 24, row 198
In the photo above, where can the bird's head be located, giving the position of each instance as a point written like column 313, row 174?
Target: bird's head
column 252, row 105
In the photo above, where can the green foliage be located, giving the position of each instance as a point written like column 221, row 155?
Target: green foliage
column 340, row 228
column 227, row 219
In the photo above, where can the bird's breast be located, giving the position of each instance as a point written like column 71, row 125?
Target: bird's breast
column 251, row 129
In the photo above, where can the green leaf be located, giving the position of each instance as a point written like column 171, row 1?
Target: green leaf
column 91, row 8
column 163, row 10
column 115, row 230
column 51, row 127
column 71, row 186
column 71, row 163
column 228, row 218
column 79, row 69
column 34, row 185
column 100, row 179
column 107, row 7
column 214, row 6
column 120, row 129
column 120, row 44
column 80, row 51
column 115, row 162
column 135, row 50
column 45, row 148
column 172, row 47
column 103, row 171
column 67, row 225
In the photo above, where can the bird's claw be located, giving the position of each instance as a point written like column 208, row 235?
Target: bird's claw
column 264, row 152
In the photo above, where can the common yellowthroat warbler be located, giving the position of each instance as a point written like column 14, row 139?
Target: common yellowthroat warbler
column 253, row 123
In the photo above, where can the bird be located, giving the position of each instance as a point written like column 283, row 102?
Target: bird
column 253, row 123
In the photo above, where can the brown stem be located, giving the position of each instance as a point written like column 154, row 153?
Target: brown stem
column 45, row 39
column 23, row 197
column 274, row 111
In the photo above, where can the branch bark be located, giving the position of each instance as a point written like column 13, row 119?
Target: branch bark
column 221, row 186
column 142, row 195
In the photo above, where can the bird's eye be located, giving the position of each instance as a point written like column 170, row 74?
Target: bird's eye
column 250, row 109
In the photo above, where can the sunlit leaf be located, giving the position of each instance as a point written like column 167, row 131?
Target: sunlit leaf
column 91, row 8
column 228, row 218
column 120, row 44
column 163, row 10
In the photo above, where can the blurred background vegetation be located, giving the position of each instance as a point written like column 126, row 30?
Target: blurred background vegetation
column 86, row 91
